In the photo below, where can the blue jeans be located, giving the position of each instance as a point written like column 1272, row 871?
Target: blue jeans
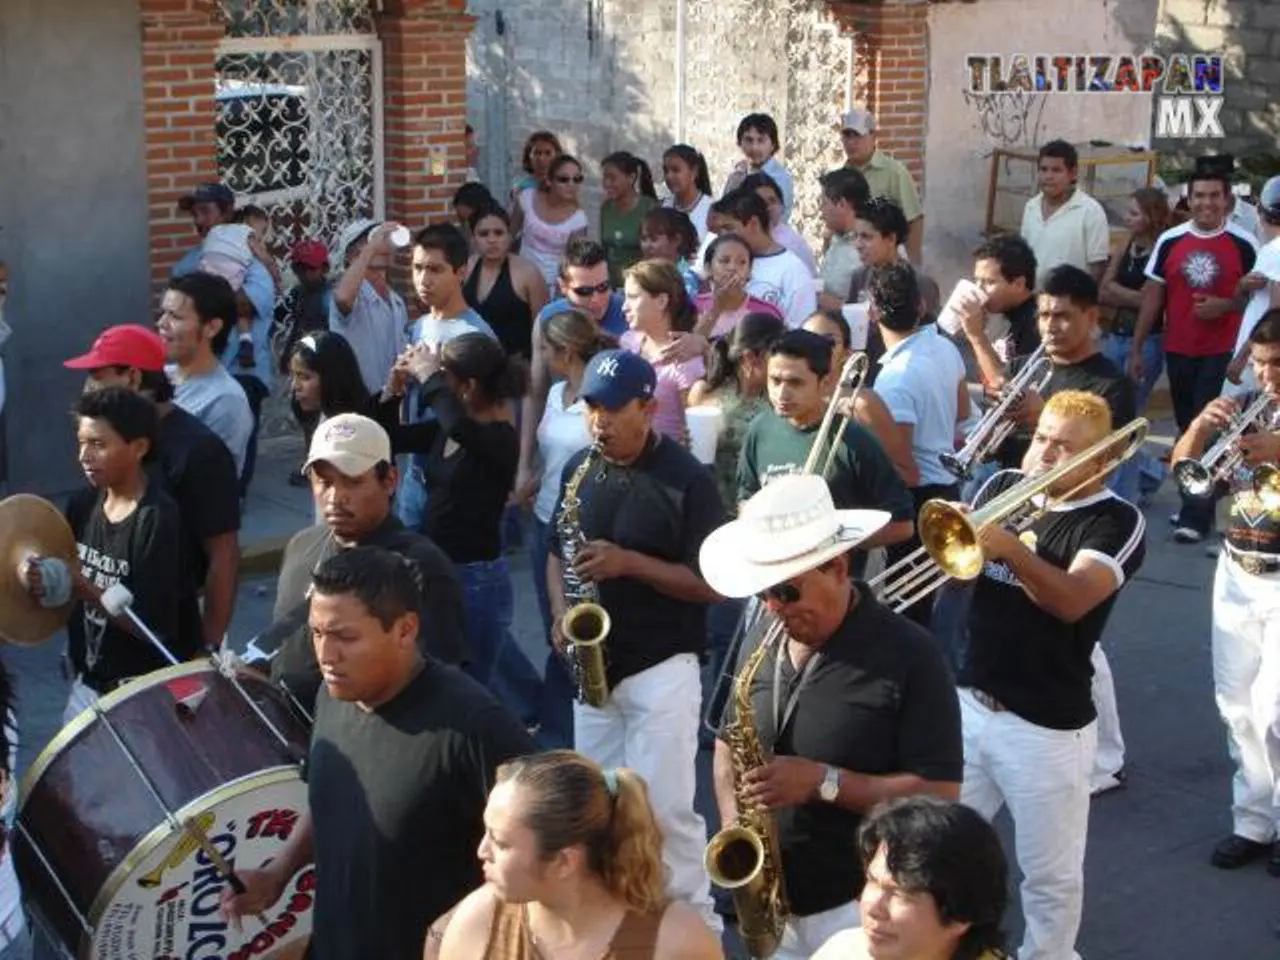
column 555, row 709
column 496, row 660
column 950, row 624
column 411, row 494
column 1128, row 481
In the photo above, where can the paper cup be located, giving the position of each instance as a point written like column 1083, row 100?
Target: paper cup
column 949, row 318
column 858, row 316
column 400, row 238
column 704, row 425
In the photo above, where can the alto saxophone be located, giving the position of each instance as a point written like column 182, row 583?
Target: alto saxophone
column 585, row 625
column 745, row 858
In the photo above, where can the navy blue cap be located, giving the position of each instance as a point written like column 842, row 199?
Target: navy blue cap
column 614, row 378
column 208, row 193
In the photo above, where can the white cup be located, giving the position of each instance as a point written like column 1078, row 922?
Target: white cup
column 858, row 316
column 965, row 292
column 705, row 424
column 400, row 237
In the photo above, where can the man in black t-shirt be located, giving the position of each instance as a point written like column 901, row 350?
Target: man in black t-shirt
column 851, row 701
column 1246, row 609
column 779, row 441
column 403, row 755
column 1039, row 608
column 1004, row 272
column 193, row 463
column 352, row 476
column 127, row 532
column 646, row 505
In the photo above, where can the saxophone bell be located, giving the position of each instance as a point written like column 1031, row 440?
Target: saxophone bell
column 585, row 628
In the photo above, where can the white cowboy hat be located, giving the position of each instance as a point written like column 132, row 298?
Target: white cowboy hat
column 788, row 528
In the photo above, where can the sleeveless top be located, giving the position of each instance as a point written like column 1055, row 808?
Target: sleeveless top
column 510, row 939
column 503, row 309
column 1131, row 275
column 543, row 242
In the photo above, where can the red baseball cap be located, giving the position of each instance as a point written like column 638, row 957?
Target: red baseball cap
column 310, row 253
column 127, row 345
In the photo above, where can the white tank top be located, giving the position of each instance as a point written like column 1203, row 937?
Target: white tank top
column 543, row 242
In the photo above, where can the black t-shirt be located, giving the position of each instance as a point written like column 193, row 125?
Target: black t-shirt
column 470, row 468
column 397, row 799
column 442, row 634
column 145, row 553
column 200, row 474
column 1035, row 664
column 662, row 505
column 1095, row 374
column 879, row 701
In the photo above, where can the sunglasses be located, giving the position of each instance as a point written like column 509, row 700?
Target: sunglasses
column 781, row 593
column 578, row 179
column 590, row 291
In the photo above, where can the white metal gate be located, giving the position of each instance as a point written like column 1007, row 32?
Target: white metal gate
column 299, row 113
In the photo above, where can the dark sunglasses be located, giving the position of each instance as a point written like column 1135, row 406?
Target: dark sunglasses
column 590, row 291
column 782, row 593
column 578, row 179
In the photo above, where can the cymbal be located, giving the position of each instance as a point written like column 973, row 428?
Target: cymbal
column 31, row 526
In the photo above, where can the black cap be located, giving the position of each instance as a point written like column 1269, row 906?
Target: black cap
column 1221, row 165
column 208, row 193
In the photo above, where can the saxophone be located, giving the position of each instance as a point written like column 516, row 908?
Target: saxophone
column 746, row 857
column 585, row 625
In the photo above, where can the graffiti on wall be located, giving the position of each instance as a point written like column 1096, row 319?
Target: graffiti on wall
column 1008, row 118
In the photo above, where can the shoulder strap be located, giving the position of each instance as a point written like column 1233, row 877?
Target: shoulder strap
column 636, row 938
column 508, row 936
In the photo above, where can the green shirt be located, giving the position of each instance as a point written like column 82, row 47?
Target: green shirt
column 620, row 235
column 889, row 178
column 861, row 477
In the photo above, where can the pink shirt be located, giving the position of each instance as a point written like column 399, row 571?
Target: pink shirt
column 726, row 322
column 674, row 380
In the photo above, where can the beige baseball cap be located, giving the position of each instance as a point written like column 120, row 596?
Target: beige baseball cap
column 352, row 443
column 860, row 122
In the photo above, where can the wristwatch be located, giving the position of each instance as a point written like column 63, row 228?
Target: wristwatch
column 829, row 789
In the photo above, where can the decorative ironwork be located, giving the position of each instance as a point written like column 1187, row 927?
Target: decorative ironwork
column 293, row 18
column 799, row 64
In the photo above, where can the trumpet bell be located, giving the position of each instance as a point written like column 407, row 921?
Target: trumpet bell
column 956, row 466
column 1193, row 478
column 950, row 539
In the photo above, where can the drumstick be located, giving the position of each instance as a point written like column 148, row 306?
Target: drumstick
column 219, row 862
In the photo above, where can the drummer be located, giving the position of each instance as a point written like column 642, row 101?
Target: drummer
column 403, row 755
column 128, row 532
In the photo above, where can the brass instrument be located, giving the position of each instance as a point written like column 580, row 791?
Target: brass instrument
column 949, row 534
column 852, row 376
column 585, row 625
column 745, row 857
column 1197, row 478
column 995, row 426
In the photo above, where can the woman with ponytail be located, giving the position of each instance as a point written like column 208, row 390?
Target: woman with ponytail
column 629, row 195
column 572, row 860
column 685, row 171
column 471, row 449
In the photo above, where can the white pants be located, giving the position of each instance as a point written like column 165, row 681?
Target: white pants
column 650, row 725
column 1110, row 758
column 1043, row 777
column 1246, row 685
column 804, row 935
column 80, row 699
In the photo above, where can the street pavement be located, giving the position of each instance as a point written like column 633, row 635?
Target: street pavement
column 1149, row 891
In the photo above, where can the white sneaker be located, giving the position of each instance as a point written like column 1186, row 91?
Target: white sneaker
column 1108, row 782
column 1187, row 535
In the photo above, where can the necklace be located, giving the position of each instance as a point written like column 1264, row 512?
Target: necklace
column 686, row 208
column 541, row 948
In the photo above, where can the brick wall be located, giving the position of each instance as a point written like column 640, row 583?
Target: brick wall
column 179, row 40
column 892, row 57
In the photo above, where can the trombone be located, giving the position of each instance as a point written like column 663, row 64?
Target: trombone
column 995, row 426
column 950, row 534
column 1197, row 478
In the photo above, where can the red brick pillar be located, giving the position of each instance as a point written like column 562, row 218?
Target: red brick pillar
column 179, row 46
column 424, row 46
column 891, row 43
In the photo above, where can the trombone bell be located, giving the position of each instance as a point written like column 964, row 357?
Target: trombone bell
column 950, row 539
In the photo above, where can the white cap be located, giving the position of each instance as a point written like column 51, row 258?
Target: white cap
column 230, row 240
column 352, row 443
column 860, row 122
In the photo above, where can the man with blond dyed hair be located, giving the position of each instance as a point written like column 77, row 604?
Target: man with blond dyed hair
column 1039, row 608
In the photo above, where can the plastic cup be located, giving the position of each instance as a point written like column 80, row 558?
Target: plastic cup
column 858, row 316
column 704, row 425
column 400, row 238
column 949, row 319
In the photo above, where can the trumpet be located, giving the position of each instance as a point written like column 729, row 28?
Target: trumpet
column 1197, row 478
column 852, row 376
column 995, row 426
column 950, row 535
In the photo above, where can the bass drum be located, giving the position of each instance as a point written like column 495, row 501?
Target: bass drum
column 100, row 844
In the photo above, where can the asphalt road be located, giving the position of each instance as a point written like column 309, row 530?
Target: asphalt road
column 1149, row 890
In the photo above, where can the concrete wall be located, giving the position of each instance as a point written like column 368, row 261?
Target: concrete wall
column 964, row 129
column 73, row 208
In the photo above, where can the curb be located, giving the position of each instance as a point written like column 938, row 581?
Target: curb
column 263, row 556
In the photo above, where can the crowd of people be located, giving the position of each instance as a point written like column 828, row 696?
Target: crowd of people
column 664, row 415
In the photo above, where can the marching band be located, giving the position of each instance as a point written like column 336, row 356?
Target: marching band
column 349, row 786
